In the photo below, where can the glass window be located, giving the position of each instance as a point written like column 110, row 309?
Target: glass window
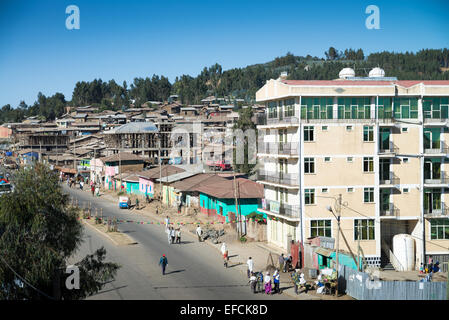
column 364, row 228
column 327, row 159
column 309, row 196
column 384, row 108
column 350, row 189
column 320, row 228
column 324, row 190
column 289, row 108
column 308, row 133
column 368, row 134
column 368, row 195
column 272, row 109
column 439, row 229
column 368, row 164
column 309, row 165
column 324, row 128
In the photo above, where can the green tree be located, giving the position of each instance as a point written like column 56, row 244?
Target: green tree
column 244, row 123
column 39, row 232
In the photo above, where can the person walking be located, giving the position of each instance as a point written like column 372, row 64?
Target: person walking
column 253, row 282
column 92, row 188
column 281, row 261
column 163, row 263
column 172, row 235
column 167, row 220
column 225, row 259
column 178, row 236
column 199, row 233
column 250, row 264
column 129, row 203
column 276, row 280
column 168, row 230
column 137, row 203
column 97, row 191
column 288, row 261
column 81, row 184
column 267, row 282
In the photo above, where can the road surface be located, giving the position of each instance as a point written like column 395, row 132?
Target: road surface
column 195, row 270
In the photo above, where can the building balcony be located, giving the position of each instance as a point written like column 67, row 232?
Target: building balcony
column 284, row 118
column 282, row 209
column 436, row 149
column 442, row 211
column 280, row 148
column 392, row 181
column 430, row 121
column 437, row 182
column 386, row 121
column 284, row 179
column 389, row 211
column 388, row 151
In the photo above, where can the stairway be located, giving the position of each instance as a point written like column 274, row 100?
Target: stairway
column 388, row 266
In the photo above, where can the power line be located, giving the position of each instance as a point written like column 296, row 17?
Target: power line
column 24, row 281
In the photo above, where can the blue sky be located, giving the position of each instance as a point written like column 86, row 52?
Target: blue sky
column 122, row 40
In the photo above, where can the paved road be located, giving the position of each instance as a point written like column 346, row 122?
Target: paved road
column 195, row 270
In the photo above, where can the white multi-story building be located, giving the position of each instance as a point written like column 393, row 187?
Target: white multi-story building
column 378, row 142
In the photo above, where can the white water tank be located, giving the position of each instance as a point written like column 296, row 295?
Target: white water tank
column 346, row 73
column 377, row 73
column 404, row 251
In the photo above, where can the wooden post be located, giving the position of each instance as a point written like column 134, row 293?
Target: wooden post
column 338, row 239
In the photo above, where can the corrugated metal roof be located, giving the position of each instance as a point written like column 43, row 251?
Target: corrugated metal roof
column 323, row 251
column 135, row 127
column 178, row 176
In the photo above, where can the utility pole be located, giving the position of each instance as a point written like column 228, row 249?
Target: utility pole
column 236, row 205
column 338, row 209
column 74, row 153
column 160, row 167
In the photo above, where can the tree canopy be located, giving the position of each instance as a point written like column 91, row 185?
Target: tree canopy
column 39, row 232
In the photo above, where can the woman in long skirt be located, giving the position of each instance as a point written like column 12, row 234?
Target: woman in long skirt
column 267, row 281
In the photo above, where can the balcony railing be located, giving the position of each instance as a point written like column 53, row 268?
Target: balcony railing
column 442, row 179
column 282, row 148
column 441, row 211
column 278, row 178
column 437, row 150
column 435, row 120
column 278, row 118
column 391, row 149
column 392, row 179
column 389, row 211
column 282, row 209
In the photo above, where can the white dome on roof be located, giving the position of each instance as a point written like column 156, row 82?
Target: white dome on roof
column 346, row 73
column 376, row 73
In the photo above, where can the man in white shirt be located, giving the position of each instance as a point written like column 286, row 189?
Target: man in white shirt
column 199, row 232
column 250, row 264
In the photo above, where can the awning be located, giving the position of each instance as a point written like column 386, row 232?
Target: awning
column 323, row 251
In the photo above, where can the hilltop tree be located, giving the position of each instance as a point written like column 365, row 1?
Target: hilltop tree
column 39, row 232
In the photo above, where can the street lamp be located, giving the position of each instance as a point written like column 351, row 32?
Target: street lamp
column 338, row 208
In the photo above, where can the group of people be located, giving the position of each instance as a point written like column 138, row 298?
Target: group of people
column 429, row 269
column 174, row 235
column 285, row 262
column 271, row 285
column 95, row 189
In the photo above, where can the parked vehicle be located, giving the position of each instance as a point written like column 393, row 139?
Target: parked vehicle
column 123, row 203
column 219, row 165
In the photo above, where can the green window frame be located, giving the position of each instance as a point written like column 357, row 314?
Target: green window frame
column 384, row 108
column 368, row 134
column 272, row 110
column 368, row 195
column 289, row 108
column 439, row 229
column 309, row 196
column 321, row 228
column 364, row 228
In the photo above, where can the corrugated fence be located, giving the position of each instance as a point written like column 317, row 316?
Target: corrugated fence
column 359, row 286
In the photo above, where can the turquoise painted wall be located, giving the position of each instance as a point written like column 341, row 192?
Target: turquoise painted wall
column 132, row 187
column 343, row 259
column 246, row 206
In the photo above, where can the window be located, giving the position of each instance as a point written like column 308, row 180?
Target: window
column 439, row 229
column 368, row 134
column 364, row 228
column 405, row 160
column 309, row 196
column 348, row 128
column 320, row 228
column 324, row 128
column 308, row 133
column 289, row 108
column 349, row 159
column 309, row 165
column 316, row 108
column 405, row 108
column 368, row 195
column 350, row 190
column 405, row 190
column 368, row 164
column 272, row 109
column 354, row 108
column 324, row 190
column 404, row 130
column 327, row 159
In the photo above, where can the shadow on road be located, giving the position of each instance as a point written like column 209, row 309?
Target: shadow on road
column 235, row 255
column 235, row 265
column 176, row 271
column 104, row 291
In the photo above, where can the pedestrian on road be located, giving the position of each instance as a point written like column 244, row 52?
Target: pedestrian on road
column 92, row 188
column 281, row 261
column 199, row 233
column 178, row 236
column 225, row 259
column 129, row 203
column 163, row 263
column 97, row 191
column 167, row 221
column 253, row 282
column 276, row 280
column 81, row 184
column 250, row 264
column 137, row 203
column 288, row 261
column 169, row 235
column 157, row 210
column 172, row 235
column 267, row 281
